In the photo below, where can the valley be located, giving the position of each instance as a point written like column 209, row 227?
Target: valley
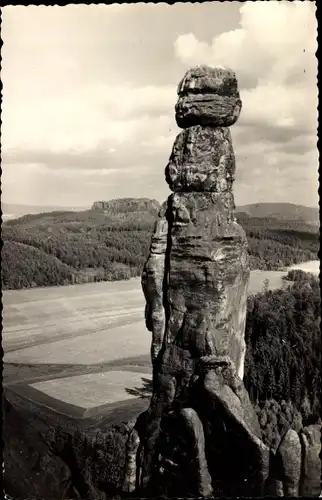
column 81, row 329
column 77, row 354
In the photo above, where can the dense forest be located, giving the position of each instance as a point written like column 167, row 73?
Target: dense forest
column 111, row 242
column 283, row 356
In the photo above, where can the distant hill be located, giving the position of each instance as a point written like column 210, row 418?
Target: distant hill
column 110, row 241
column 12, row 210
column 123, row 205
column 279, row 211
column 282, row 211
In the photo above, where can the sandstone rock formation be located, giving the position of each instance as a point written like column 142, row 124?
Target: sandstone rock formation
column 295, row 467
column 289, row 457
column 208, row 96
column 126, row 205
column 202, row 436
column 152, row 282
column 310, row 482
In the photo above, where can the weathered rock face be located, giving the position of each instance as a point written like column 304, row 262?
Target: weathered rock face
column 207, row 278
column 289, row 457
column 310, row 483
column 153, row 281
column 126, row 205
column 232, row 429
column 295, row 467
column 195, row 284
column 202, row 434
column 208, row 96
column 202, row 159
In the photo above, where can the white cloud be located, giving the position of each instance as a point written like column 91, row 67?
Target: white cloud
column 274, row 49
column 82, row 119
column 273, row 54
column 57, row 71
column 273, row 42
column 91, row 89
column 191, row 50
column 281, row 106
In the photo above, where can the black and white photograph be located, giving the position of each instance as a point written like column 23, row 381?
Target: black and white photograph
column 160, row 254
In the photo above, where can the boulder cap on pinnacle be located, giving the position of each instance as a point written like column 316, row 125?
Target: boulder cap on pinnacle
column 208, row 96
column 212, row 79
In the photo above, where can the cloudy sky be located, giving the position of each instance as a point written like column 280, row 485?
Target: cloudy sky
column 89, row 95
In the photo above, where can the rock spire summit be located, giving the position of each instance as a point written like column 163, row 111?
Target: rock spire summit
column 200, row 422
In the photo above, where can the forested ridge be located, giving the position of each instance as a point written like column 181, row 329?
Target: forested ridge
column 282, row 211
column 111, row 242
column 283, row 355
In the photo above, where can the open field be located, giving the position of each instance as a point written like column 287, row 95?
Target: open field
column 86, row 345
column 91, row 323
column 46, row 316
column 313, row 266
column 114, row 391
column 94, row 389
column 53, row 336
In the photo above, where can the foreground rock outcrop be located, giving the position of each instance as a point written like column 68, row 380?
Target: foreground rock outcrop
column 195, row 283
column 310, row 482
column 49, row 455
column 200, row 435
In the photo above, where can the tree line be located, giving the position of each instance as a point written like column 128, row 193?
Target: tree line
column 78, row 247
column 283, row 338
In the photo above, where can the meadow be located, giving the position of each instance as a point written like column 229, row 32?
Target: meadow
column 89, row 323
column 86, row 345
